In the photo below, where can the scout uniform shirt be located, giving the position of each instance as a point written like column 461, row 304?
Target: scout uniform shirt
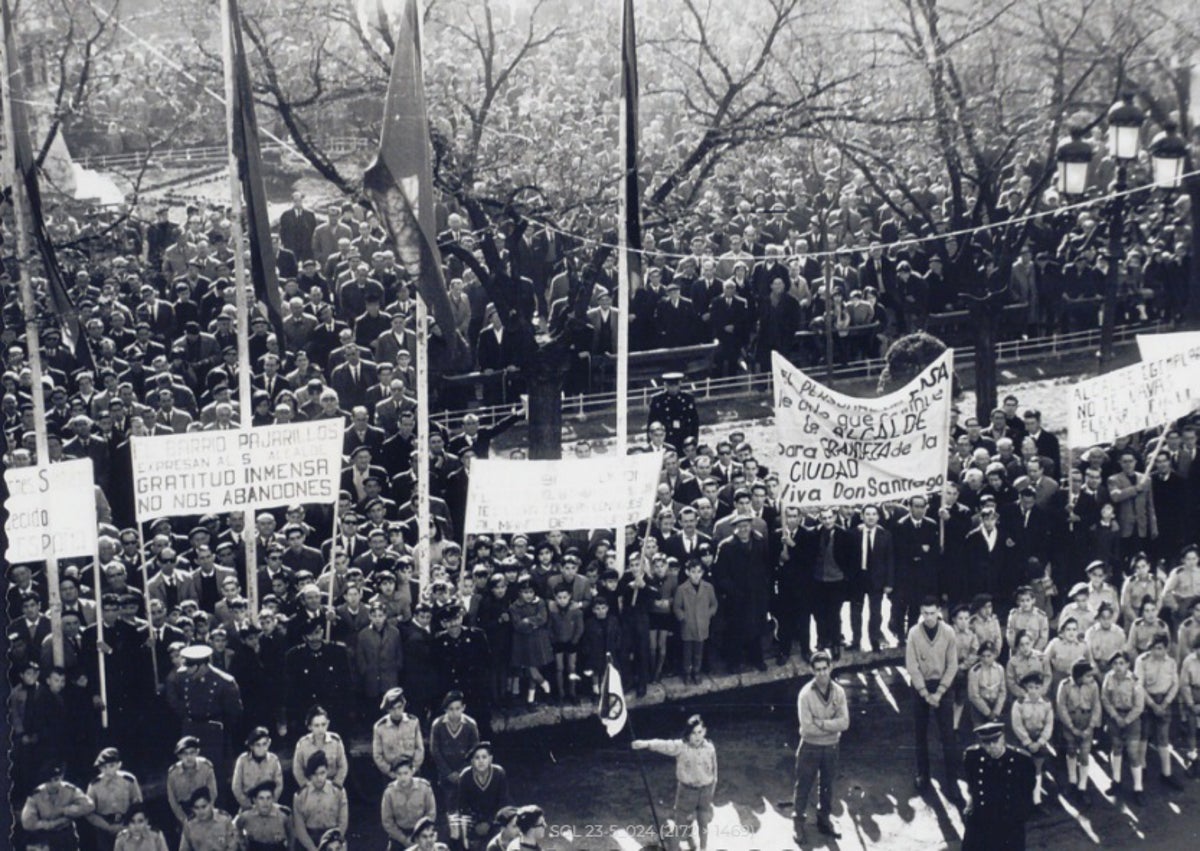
column 182, row 782
column 46, row 804
column 394, row 739
column 1100, row 594
column 695, row 765
column 335, row 757
column 249, row 773
column 265, row 833
column 1182, row 585
column 1018, row 666
column 114, row 796
column 985, row 684
column 321, row 809
column 1080, row 704
column 1188, row 630
column 1159, row 677
column 1142, row 633
column 1189, row 682
column 404, row 806
column 1133, row 592
column 1034, row 622
column 1083, row 616
column 1032, row 720
column 988, row 629
column 211, row 834
column 1103, row 642
column 1122, row 697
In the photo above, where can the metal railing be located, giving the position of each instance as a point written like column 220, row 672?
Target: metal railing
column 739, row 386
column 208, row 155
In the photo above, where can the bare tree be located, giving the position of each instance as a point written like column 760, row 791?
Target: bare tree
column 741, row 75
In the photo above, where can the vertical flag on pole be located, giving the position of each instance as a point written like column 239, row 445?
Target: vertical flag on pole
column 613, row 713
column 400, row 181
column 249, row 157
column 26, row 167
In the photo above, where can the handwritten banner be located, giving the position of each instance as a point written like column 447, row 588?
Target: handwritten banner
column 219, row 471
column 1135, row 398
column 51, row 510
column 1159, row 346
column 841, row 450
column 507, row 496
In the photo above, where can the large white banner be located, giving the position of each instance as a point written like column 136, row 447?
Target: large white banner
column 507, row 496
column 1137, row 397
column 219, row 471
column 841, row 450
column 51, row 511
column 1159, row 346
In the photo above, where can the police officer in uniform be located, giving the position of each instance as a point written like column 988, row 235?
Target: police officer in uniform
column 317, row 672
column 461, row 655
column 209, row 703
column 1000, row 779
column 676, row 410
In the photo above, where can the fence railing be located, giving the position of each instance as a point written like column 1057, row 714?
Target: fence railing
column 207, row 155
column 738, row 386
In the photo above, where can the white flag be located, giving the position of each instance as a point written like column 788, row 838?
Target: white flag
column 613, row 713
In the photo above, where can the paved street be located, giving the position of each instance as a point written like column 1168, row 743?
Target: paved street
column 594, row 798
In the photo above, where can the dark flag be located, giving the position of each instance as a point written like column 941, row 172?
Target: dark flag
column 631, row 191
column 249, row 156
column 60, row 299
column 400, row 181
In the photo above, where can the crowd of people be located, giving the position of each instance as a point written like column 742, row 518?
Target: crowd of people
column 722, row 573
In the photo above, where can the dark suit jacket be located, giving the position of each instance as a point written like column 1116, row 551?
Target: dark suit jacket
column 351, row 392
column 881, row 570
column 482, row 442
column 984, row 571
column 676, row 325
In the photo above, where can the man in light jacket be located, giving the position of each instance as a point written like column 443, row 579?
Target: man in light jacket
column 931, row 657
column 824, row 716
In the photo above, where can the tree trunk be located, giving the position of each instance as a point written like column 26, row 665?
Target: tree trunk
column 1193, row 271
column 984, row 320
column 544, row 383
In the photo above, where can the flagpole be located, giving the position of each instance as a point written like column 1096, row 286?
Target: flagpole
column 245, row 399
column 637, row 754
column 101, row 674
column 625, row 270
column 423, row 431
column 146, row 584
column 29, row 309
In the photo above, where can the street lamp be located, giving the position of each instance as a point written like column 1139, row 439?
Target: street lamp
column 1073, row 156
column 1168, row 153
column 1125, row 122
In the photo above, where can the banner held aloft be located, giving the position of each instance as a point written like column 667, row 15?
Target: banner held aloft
column 835, row 449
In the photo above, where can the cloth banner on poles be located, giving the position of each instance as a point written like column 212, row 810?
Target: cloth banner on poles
column 51, row 511
column 507, row 496
column 1138, row 397
column 1159, row 346
column 237, row 469
column 841, row 450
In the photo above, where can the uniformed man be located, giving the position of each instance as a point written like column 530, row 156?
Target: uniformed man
column 266, row 826
column 1000, row 780
column 462, row 656
column 49, row 814
column 395, row 735
column 320, row 806
column 114, row 792
column 676, row 411
column 209, row 704
column 406, row 801
column 317, row 672
column 191, row 773
column 208, row 828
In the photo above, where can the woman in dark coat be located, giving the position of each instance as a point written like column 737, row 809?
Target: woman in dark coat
column 493, row 618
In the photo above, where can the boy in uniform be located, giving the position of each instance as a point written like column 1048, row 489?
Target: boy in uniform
column 1033, row 723
column 1078, row 709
